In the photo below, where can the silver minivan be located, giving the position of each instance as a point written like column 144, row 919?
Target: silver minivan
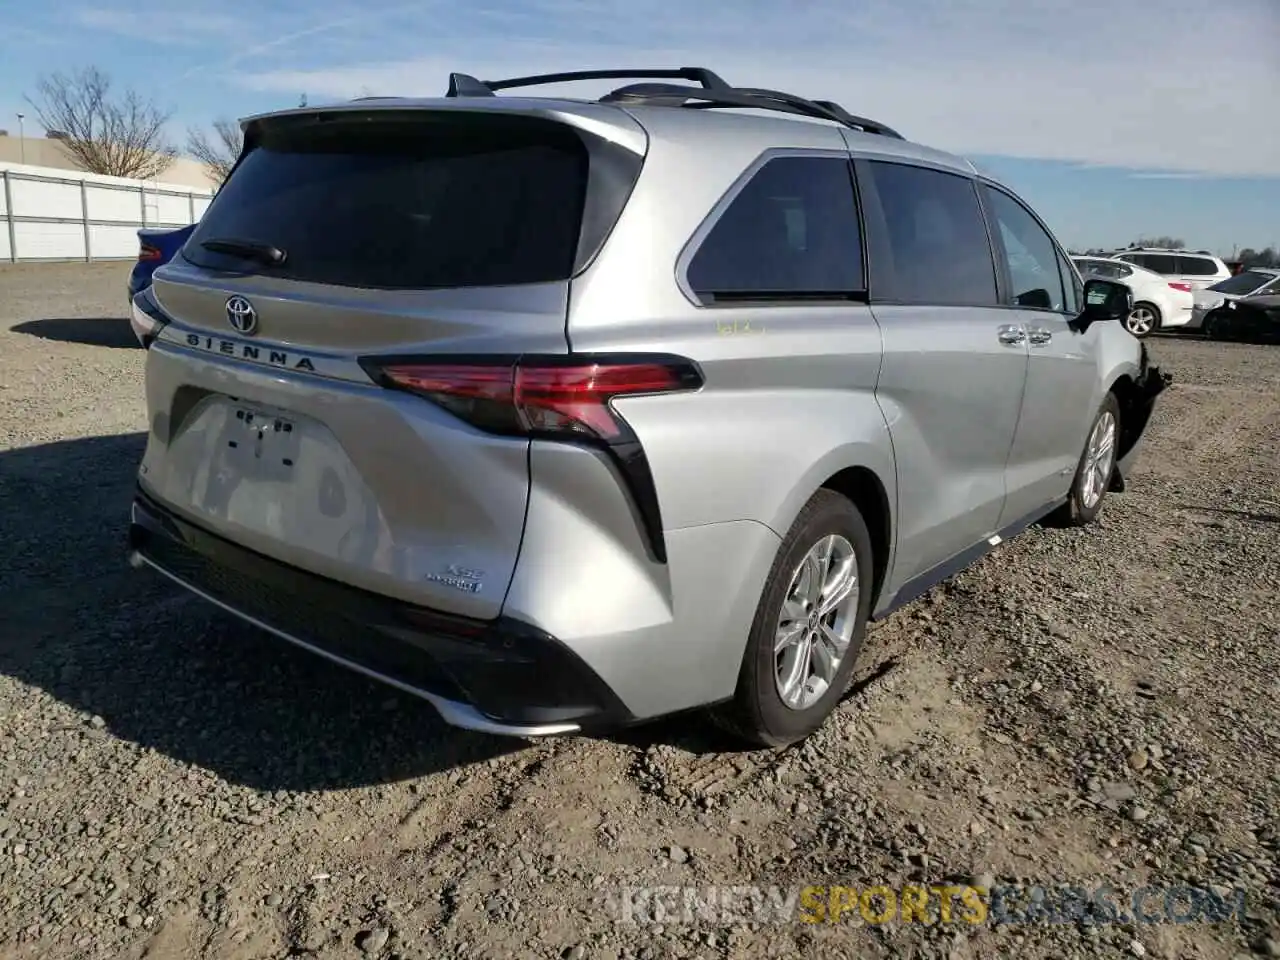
column 571, row 413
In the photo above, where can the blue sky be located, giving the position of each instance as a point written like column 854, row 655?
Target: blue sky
column 1112, row 119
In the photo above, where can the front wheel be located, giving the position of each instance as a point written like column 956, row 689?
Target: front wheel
column 1211, row 326
column 1094, row 472
column 1143, row 320
column 808, row 627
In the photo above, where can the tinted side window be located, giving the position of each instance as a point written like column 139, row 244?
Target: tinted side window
column 937, row 236
column 1162, row 263
column 1030, row 253
column 1102, row 268
column 792, row 229
column 1196, row 267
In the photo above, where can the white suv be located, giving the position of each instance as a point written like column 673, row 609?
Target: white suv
column 1158, row 303
column 1199, row 269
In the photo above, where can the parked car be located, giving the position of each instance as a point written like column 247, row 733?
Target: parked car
column 1256, row 281
column 1199, row 269
column 1158, row 303
column 1253, row 319
column 156, row 247
column 579, row 413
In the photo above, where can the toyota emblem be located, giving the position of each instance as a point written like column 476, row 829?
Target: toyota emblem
column 241, row 315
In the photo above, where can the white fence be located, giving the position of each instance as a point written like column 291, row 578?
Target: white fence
column 47, row 213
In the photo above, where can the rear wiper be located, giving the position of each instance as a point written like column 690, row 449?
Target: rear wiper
column 263, row 252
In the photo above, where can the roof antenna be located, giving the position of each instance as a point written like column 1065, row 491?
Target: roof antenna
column 465, row 85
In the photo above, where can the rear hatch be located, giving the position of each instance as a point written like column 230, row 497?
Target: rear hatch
column 345, row 244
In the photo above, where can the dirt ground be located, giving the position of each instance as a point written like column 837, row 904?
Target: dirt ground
column 1097, row 707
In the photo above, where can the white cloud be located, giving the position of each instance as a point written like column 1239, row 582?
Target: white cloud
column 1167, row 175
column 176, row 26
column 1188, row 89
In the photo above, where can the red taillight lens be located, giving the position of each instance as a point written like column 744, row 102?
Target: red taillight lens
column 576, row 399
column 148, row 252
column 1184, row 287
column 539, row 396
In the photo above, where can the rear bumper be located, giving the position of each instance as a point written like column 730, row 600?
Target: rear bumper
column 139, row 277
column 502, row 676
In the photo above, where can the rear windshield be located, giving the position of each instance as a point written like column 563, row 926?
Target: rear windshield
column 1242, row 283
column 404, row 201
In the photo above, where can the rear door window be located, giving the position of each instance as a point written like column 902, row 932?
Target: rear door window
column 1103, row 268
column 791, row 231
column 1197, row 267
column 937, row 237
column 1162, row 263
column 412, row 201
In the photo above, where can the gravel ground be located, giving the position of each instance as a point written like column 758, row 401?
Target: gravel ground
column 1092, row 707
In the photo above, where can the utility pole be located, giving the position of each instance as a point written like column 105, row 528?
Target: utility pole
column 22, row 138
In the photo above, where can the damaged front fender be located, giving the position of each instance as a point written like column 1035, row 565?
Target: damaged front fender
column 1137, row 402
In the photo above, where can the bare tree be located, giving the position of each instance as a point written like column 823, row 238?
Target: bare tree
column 220, row 151
column 120, row 136
column 1266, row 257
column 1165, row 243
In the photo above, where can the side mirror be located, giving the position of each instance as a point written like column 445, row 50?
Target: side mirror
column 1104, row 300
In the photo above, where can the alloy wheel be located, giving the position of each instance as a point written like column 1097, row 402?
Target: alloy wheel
column 1099, row 460
column 816, row 623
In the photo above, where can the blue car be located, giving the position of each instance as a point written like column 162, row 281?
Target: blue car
column 156, row 247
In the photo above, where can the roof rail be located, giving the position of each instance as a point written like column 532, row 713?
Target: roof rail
column 748, row 97
column 865, row 124
column 712, row 92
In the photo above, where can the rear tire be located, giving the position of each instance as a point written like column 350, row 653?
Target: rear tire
column 806, row 633
column 1143, row 320
column 1095, row 469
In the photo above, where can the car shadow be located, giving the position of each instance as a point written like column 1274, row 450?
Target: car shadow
column 138, row 658
column 694, row 732
column 93, row 331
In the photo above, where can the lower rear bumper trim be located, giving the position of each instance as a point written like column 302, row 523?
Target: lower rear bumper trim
column 501, row 676
column 454, row 713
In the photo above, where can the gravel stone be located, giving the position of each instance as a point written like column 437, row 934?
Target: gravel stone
column 176, row 783
column 372, row 941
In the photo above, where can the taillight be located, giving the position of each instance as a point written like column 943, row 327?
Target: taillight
column 146, row 318
column 1184, row 287
column 553, row 397
column 148, row 252
column 566, row 398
